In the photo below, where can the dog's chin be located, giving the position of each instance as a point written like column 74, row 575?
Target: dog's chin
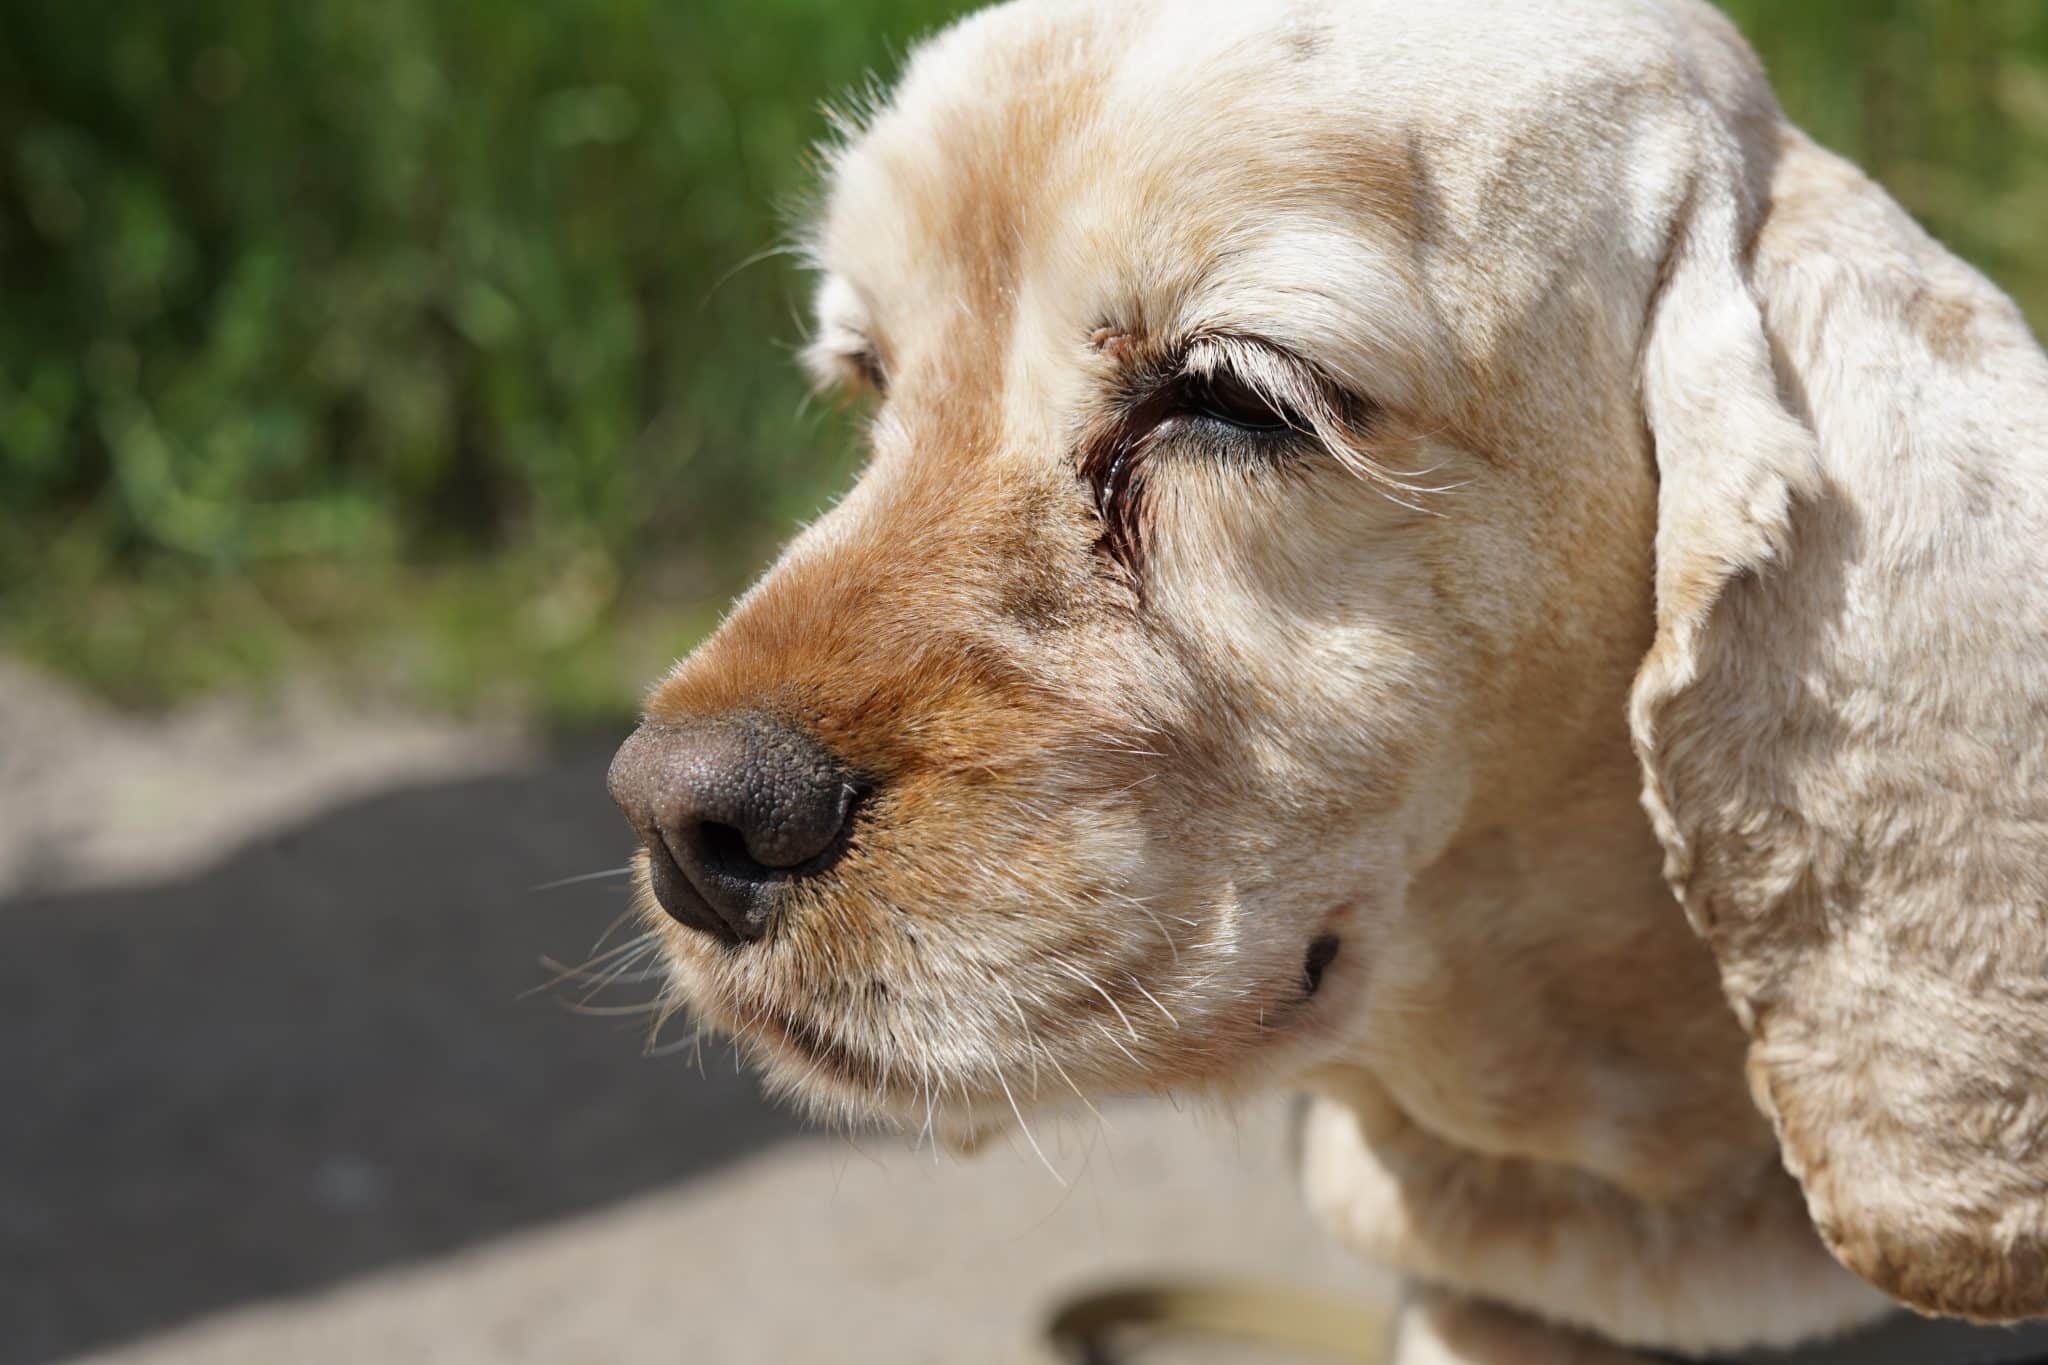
column 1275, row 1029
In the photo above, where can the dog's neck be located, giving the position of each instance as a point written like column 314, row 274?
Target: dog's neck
column 1543, row 998
column 1547, row 1108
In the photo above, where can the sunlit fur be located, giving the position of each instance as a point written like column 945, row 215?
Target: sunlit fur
column 1637, row 437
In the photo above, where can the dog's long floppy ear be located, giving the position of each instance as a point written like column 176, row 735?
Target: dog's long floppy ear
column 1844, row 719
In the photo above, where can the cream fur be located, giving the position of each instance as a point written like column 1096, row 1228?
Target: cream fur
column 1649, row 451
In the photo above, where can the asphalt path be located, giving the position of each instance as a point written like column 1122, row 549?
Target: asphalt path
column 283, row 1088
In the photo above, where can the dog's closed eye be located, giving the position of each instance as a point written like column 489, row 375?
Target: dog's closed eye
column 846, row 354
column 850, row 363
column 1224, row 385
column 1228, row 401
column 866, row 364
column 1223, row 397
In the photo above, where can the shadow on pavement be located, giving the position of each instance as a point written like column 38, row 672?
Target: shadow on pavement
column 314, row 1059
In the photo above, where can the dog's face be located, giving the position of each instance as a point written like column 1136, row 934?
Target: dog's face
column 1181, row 612
column 1301, row 433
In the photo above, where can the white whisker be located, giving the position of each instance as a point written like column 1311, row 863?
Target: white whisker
column 1092, row 985
column 1055, row 1061
column 1050, row 1169
column 1153, row 998
column 580, row 878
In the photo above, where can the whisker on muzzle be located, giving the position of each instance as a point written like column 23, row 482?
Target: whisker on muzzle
column 1130, row 977
column 1092, row 984
column 580, row 878
column 1050, row 1169
column 621, row 965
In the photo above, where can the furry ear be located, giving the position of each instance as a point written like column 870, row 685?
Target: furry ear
column 1843, row 721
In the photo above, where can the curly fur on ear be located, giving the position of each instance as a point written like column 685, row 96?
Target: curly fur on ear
column 1843, row 722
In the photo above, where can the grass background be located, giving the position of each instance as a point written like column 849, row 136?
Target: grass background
column 430, row 345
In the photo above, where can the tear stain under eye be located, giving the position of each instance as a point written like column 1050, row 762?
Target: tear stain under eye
column 1112, row 465
column 1321, row 953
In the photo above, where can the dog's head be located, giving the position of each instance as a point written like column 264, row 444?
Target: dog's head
column 1294, row 426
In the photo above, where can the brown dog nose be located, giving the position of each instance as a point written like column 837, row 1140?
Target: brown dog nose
column 733, row 811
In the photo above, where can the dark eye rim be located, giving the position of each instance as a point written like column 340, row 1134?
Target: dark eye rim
column 1179, row 406
column 1227, row 400
column 1214, row 409
column 866, row 363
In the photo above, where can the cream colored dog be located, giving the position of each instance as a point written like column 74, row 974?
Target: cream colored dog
column 1335, row 464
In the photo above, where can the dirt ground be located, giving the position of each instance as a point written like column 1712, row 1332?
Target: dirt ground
column 281, row 1089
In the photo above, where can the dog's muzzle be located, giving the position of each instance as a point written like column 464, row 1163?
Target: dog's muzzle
column 734, row 811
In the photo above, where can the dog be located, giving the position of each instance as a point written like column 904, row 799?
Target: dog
column 1366, row 499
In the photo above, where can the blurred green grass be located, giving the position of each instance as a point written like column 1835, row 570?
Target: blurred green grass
column 438, row 346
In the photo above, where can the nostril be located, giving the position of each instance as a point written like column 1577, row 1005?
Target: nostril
column 797, row 847
column 684, row 903
column 724, row 848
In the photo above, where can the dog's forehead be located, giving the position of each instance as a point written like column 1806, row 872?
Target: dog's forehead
column 1140, row 156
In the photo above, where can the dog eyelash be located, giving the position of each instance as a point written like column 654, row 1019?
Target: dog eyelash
column 1222, row 398
column 866, row 364
column 1212, row 405
column 846, row 362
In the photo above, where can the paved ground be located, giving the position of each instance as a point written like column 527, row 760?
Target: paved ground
column 279, row 1091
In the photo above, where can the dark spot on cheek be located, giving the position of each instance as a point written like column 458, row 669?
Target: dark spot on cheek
column 1321, row 954
column 1035, row 600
